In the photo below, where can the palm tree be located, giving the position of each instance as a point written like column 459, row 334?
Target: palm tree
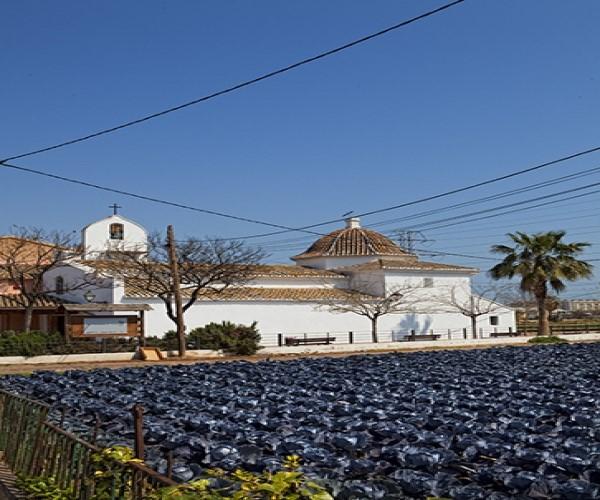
column 541, row 260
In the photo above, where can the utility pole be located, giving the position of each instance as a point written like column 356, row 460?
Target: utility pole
column 174, row 266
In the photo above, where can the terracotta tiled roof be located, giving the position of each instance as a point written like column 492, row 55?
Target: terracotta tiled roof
column 44, row 302
column 260, row 271
column 138, row 290
column 23, row 250
column 408, row 265
column 352, row 241
column 287, row 271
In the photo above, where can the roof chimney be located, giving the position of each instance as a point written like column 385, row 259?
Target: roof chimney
column 352, row 222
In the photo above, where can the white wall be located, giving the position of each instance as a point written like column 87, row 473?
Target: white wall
column 96, row 240
column 297, row 318
column 74, row 275
column 372, row 282
column 341, row 282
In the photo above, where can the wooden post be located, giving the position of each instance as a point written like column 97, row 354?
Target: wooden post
column 67, row 327
column 280, row 339
column 510, row 329
column 142, row 329
column 170, row 464
column 449, row 334
column 138, row 430
column 464, row 333
column 350, row 337
column 176, row 289
column 481, row 333
column 327, row 336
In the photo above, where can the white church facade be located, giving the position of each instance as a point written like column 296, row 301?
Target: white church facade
column 291, row 300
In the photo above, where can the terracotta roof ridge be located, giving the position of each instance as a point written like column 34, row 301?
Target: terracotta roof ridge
column 368, row 241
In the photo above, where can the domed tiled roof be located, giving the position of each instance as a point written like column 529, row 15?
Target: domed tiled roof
column 353, row 241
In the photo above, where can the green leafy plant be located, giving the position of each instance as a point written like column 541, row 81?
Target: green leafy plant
column 46, row 488
column 36, row 343
column 107, row 471
column 226, row 336
column 287, row 484
column 547, row 340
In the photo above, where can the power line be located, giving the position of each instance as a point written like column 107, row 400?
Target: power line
column 286, row 229
column 508, row 211
column 437, row 252
column 521, row 223
column 239, row 86
column 153, row 199
column 447, row 193
column 466, row 188
column 299, row 242
column 504, row 194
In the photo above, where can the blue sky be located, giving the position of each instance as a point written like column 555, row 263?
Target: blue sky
column 484, row 88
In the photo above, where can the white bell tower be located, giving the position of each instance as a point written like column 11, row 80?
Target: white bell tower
column 108, row 237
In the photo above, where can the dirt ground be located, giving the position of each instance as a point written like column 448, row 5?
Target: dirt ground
column 60, row 367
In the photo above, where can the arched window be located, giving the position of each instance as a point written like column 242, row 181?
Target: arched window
column 59, row 285
column 117, row 231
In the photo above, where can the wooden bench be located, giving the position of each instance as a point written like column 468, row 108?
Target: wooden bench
column 423, row 336
column 505, row 334
column 309, row 340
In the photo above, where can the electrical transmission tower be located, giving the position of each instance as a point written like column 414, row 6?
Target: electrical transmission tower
column 408, row 239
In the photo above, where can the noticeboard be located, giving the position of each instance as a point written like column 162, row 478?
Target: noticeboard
column 114, row 325
column 103, row 326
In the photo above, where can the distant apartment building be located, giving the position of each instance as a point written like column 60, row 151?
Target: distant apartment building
column 582, row 305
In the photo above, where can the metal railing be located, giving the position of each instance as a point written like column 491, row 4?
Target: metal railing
column 383, row 336
column 33, row 447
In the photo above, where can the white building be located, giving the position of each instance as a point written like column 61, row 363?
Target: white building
column 290, row 299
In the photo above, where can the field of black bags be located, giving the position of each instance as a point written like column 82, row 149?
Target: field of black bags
column 520, row 422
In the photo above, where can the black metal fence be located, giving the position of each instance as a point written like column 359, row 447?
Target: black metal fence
column 33, row 447
column 383, row 336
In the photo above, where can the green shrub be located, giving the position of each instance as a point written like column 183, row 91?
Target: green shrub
column 165, row 343
column 226, row 336
column 547, row 340
column 286, row 484
column 212, row 336
column 37, row 343
column 28, row 344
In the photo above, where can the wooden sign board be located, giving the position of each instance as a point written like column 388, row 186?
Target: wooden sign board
column 103, row 326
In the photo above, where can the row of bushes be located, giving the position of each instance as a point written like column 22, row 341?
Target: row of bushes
column 36, row 343
column 225, row 336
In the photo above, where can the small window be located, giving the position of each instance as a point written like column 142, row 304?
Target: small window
column 59, row 285
column 117, row 231
column 494, row 320
column 428, row 282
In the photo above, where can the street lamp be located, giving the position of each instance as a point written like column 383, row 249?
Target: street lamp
column 89, row 296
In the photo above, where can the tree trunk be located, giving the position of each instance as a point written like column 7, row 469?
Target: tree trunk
column 374, row 330
column 27, row 319
column 543, row 324
column 474, row 326
column 176, row 291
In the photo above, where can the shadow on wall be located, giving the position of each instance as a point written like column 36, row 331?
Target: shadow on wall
column 419, row 323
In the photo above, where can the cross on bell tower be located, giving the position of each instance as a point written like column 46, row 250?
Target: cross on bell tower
column 115, row 208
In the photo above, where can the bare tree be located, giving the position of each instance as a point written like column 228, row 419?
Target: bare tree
column 401, row 299
column 206, row 269
column 27, row 256
column 471, row 302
